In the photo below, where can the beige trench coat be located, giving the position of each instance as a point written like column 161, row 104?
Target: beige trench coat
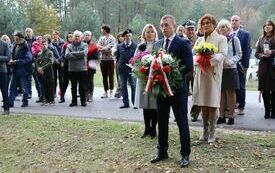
column 207, row 87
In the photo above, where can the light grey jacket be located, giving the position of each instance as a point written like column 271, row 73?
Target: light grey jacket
column 231, row 60
column 77, row 57
column 4, row 56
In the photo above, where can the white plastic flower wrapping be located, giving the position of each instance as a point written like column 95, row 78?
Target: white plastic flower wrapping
column 146, row 59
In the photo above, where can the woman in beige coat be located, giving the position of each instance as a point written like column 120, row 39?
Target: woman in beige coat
column 207, row 86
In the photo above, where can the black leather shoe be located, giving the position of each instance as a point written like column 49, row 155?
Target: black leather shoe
column 124, row 106
column 160, row 157
column 73, row 104
column 84, row 104
column 194, row 119
column 24, row 105
column 153, row 133
column 221, row 120
column 62, row 100
column 230, row 121
column 267, row 114
column 38, row 101
column 184, row 162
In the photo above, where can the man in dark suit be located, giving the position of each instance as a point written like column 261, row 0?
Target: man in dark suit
column 243, row 64
column 181, row 49
column 125, row 51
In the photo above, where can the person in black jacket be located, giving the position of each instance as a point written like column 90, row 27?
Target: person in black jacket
column 125, row 51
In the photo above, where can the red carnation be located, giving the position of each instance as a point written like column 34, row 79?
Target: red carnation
column 156, row 67
column 143, row 69
column 159, row 78
column 167, row 69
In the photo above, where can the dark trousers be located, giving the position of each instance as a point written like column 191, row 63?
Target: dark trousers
column 179, row 106
column 29, row 83
column 241, row 92
column 150, row 119
column 269, row 101
column 124, row 77
column 90, row 83
column 107, row 70
column 4, row 86
column 47, row 85
column 13, row 88
column 65, row 81
column 57, row 69
column 37, row 84
column 79, row 78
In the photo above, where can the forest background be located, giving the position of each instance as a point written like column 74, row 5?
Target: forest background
column 45, row 16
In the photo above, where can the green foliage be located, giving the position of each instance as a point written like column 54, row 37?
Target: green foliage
column 137, row 24
column 229, row 11
column 82, row 18
column 42, row 19
column 195, row 11
column 10, row 19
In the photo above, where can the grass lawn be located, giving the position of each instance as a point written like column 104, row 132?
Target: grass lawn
column 56, row 144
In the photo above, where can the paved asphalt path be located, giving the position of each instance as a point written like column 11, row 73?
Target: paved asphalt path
column 109, row 109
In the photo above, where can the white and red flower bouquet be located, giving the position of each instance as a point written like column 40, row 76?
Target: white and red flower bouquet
column 159, row 72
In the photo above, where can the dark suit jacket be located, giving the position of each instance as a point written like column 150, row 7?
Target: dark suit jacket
column 23, row 65
column 123, row 56
column 4, row 56
column 245, row 41
column 181, row 49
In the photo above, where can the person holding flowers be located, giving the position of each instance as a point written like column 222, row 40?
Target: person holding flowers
column 211, row 49
column 180, row 49
column 145, row 100
column 230, row 77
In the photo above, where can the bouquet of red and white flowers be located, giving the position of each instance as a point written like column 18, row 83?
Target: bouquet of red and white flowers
column 159, row 72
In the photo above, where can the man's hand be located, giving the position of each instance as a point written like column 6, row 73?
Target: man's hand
column 40, row 71
column 12, row 62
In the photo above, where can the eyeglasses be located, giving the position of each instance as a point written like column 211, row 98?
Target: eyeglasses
column 205, row 23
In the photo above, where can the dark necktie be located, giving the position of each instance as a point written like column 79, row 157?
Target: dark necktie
column 166, row 44
column 127, row 45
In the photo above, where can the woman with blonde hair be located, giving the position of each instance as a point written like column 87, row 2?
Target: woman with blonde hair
column 148, row 37
column 230, row 77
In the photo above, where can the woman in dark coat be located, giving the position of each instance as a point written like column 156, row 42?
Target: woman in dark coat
column 266, row 73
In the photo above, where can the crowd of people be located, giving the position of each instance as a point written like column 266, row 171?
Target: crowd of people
column 216, row 93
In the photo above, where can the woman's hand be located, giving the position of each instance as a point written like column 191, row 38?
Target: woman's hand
column 268, row 52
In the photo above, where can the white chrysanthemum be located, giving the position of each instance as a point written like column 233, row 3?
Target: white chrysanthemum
column 167, row 58
column 146, row 58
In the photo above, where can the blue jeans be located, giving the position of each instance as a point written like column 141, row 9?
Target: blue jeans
column 4, row 85
column 13, row 89
column 241, row 92
column 124, row 91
